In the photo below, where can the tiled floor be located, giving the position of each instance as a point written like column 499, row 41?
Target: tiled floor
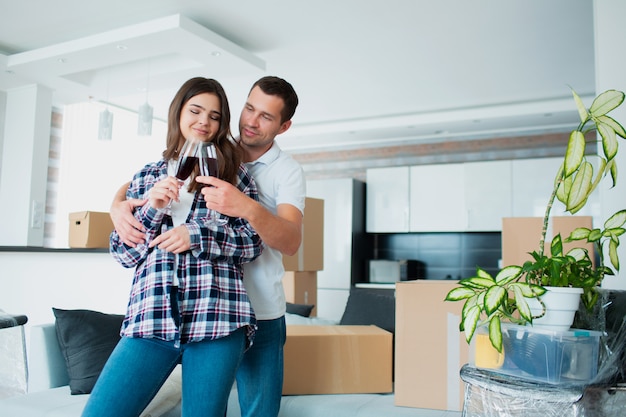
column 346, row 405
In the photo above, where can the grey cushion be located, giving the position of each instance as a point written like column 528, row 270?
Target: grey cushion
column 87, row 339
column 371, row 307
column 303, row 310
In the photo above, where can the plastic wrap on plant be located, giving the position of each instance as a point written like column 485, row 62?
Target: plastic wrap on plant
column 13, row 370
column 609, row 317
column 490, row 394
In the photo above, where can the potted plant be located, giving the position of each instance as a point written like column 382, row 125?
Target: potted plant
column 491, row 300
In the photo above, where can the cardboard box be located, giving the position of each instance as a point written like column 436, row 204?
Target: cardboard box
column 521, row 235
column 310, row 256
column 337, row 360
column 301, row 288
column 430, row 350
column 90, row 229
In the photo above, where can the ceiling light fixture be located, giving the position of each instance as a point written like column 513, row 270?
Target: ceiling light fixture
column 144, row 113
column 105, row 124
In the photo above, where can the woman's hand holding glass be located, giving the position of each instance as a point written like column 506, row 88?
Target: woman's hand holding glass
column 164, row 192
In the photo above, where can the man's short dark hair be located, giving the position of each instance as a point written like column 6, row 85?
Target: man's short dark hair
column 276, row 86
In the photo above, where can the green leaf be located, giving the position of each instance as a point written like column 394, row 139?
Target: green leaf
column 527, row 290
column 609, row 141
column 469, row 303
column 470, row 321
column 483, row 274
column 538, row 289
column 614, row 233
column 606, row 102
column 595, row 235
column 616, row 220
column 579, row 233
column 495, row 333
column 494, row 297
column 613, row 124
column 582, row 110
column 522, row 305
column 613, row 254
column 575, row 152
column 581, row 187
column 508, row 274
column 612, row 167
column 578, row 253
column 478, row 283
column 556, row 246
column 459, row 293
column 577, row 208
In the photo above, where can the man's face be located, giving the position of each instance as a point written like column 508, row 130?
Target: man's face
column 260, row 121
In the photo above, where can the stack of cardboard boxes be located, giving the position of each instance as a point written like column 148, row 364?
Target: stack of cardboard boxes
column 300, row 279
column 322, row 359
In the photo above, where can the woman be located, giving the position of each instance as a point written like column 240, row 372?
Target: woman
column 187, row 303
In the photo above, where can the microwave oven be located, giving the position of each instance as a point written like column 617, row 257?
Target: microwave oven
column 383, row 270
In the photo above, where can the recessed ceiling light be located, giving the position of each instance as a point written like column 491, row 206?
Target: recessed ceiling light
column 216, row 53
column 62, row 60
column 121, row 47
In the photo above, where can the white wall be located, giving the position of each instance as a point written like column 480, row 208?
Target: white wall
column 92, row 170
column 3, row 107
column 33, row 282
column 24, row 168
column 610, row 39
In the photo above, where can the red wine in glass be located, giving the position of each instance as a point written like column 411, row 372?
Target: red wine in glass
column 187, row 160
column 186, row 164
column 209, row 167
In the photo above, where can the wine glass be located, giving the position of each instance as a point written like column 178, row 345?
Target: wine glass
column 209, row 167
column 187, row 160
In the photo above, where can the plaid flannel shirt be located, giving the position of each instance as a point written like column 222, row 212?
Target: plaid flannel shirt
column 212, row 299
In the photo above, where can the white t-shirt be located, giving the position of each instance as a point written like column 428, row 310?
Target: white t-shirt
column 180, row 210
column 280, row 180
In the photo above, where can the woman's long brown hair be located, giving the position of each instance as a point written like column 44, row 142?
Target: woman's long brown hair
column 228, row 154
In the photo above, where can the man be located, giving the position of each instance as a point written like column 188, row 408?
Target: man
column 277, row 218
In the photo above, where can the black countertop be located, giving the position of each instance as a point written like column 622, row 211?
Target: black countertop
column 55, row 250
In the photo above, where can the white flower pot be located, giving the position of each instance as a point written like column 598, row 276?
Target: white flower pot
column 561, row 306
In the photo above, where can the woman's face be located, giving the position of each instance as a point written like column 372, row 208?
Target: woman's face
column 200, row 117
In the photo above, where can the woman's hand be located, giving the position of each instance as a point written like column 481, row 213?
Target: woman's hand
column 163, row 192
column 175, row 240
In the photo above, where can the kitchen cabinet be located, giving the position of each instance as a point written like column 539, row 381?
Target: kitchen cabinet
column 464, row 197
column 488, row 194
column 439, row 198
column 532, row 188
column 387, row 200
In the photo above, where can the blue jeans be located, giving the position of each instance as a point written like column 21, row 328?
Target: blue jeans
column 138, row 367
column 260, row 375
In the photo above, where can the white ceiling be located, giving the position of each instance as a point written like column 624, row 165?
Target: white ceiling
column 367, row 73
